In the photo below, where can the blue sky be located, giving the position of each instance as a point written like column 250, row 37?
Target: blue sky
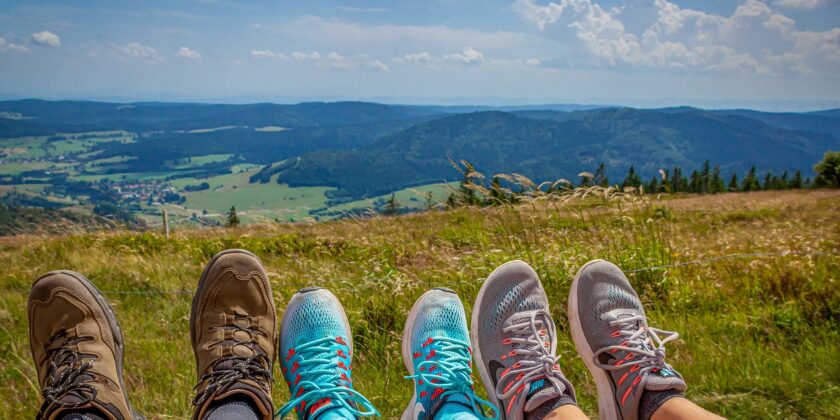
column 772, row 54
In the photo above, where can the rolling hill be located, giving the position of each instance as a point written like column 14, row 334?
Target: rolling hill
column 548, row 145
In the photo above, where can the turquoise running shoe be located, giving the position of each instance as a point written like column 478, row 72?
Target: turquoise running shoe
column 436, row 351
column 316, row 352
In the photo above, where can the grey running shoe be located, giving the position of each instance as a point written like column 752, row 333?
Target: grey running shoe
column 612, row 336
column 516, row 342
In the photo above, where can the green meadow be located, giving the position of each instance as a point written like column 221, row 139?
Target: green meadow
column 749, row 280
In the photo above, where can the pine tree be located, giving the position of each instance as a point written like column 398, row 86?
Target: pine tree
column 653, row 185
column 632, row 179
column 782, row 182
column 392, row 207
column 750, row 182
column 601, row 176
column 716, row 183
column 733, row 183
column 796, row 182
column 696, row 182
column 232, row 219
column 768, row 181
column 585, row 179
column 705, row 179
column 678, row 182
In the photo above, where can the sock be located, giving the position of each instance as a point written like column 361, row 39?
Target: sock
column 235, row 407
column 652, row 400
column 82, row 415
column 547, row 407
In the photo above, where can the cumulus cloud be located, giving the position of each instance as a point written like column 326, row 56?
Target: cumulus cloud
column 138, row 51
column 800, row 4
column 755, row 38
column 269, row 54
column 189, row 54
column 468, row 55
column 46, row 38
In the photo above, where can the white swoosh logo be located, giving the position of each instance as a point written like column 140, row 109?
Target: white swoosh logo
column 418, row 410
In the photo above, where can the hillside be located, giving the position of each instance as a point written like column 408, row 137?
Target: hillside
column 309, row 160
column 549, row 146
column 749, row 280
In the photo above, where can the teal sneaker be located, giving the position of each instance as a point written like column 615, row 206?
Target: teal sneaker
column 316, row 353
column 436, row 351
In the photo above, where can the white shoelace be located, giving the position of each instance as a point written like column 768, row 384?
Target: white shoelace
column 642, row 342
column 534, row 357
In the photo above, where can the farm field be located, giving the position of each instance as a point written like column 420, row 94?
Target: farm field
column 749, row 280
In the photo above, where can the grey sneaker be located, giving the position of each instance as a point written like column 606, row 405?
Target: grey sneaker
column 516, row 342
column 612, row 336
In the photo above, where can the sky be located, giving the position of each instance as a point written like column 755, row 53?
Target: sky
column 765, row 54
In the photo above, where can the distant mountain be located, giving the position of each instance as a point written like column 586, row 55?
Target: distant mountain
column 37, row 117
column 547, row 145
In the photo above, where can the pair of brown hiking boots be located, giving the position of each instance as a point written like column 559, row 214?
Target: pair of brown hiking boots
column 77, row 344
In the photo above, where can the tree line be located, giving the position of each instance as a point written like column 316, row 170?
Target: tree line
column 473, row 190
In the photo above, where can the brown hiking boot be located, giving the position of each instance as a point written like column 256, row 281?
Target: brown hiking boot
column 233, row 328
column 77, row 347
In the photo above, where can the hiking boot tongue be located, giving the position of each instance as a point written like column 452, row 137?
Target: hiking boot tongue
column 542, row 391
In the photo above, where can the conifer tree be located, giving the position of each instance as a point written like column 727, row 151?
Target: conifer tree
column 601, row 176
column 232, row 219
column 796, row 182
column 750, row 182
column 392, row 207
column 632, row 179
column 653, row 185
column 733, row 183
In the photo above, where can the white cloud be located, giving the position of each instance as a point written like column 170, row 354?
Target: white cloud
column 755, row 38
column 800, row 4
column 189, row 54
column 421, row 57
column 363, row 61
column 314, row 56
column 138, row 51
column 268, row 54
column 46, row 38
column 467, row 56
column 11, row 46
column 533, row 61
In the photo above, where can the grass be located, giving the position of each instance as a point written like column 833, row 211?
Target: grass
column 759, row 335
column 254, row 202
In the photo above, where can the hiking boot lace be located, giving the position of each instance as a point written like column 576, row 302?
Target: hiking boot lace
column 531, row 340
column 228, row 370
column 642, row 343
column 324, row 380
column 68, row 373
column 448, row 369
